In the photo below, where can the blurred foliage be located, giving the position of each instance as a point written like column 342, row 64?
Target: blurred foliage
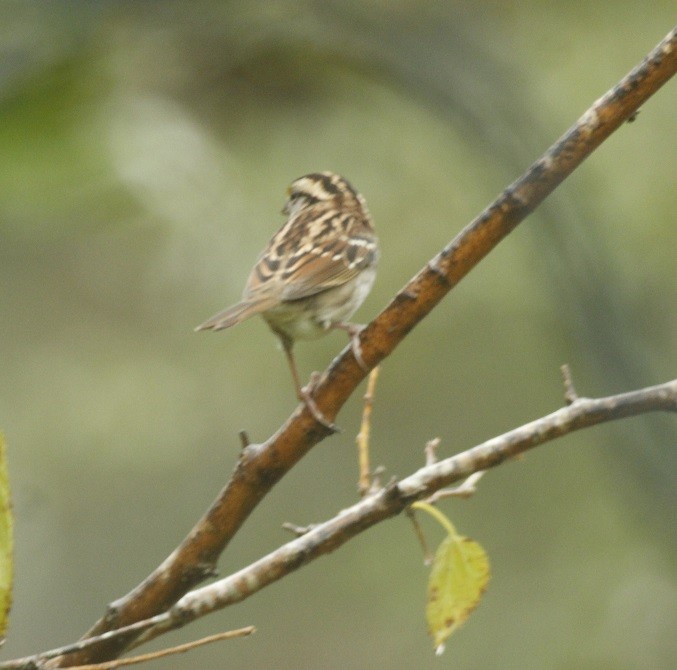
column 145, row 152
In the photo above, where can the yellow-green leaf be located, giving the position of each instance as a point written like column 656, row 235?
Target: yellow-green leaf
column 458, row 577
column 6, row 542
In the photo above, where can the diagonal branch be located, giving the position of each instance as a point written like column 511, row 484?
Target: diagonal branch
column 261, row 466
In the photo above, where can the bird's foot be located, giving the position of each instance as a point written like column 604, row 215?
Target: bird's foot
column 354, row 330
column 306, row 398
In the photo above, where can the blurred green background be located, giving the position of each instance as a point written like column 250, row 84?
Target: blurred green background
column 146, row 148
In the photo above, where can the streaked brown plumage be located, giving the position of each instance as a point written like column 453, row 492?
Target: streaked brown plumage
column 314, row 273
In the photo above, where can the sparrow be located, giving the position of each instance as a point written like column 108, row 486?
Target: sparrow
column 315, row 272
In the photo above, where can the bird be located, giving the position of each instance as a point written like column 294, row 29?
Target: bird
column 315, row 272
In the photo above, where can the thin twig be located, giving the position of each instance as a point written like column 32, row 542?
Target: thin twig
column 465, row 490
column 170, row 651
column 431, row 451
column 296, row 530
column 362, row 439
column 570, row 394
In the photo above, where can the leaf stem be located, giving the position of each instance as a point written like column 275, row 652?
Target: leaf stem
column 443, row 519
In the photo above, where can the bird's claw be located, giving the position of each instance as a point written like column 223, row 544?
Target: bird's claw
column 307, row 400
column 357, row 346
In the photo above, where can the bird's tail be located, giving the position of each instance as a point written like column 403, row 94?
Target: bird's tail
column 233, row 315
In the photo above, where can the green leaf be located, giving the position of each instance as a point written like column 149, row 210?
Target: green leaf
column 458, row 578
column 6, row 542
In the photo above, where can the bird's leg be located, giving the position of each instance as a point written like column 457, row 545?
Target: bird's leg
column 354, row 330
column 303, row 393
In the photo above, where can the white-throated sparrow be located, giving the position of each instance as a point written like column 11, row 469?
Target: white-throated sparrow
column 314, row 273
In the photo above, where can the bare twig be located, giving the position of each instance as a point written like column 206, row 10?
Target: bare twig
column 294, row 529
column 376, row 475
column 170, row 651
column 431, row 450
column 362, row 439
column 261, row 466
column 570, row 394
column 465, row 490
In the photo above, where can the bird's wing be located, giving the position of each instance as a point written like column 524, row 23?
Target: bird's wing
column 313, row 252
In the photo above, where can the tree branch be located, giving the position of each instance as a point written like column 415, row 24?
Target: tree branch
column 389, row 501
column 261, row 466
column 395, row 497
